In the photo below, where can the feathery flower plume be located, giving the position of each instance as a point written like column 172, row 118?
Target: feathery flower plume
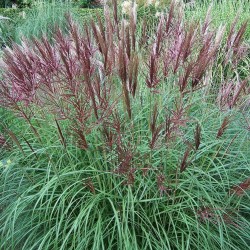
column 223, row 127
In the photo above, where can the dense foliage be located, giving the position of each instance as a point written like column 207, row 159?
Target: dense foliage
column 18, row 3
column 126, row 133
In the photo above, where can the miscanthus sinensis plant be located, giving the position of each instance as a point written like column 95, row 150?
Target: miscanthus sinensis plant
column 123, row 137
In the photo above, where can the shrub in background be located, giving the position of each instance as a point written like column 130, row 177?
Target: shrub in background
column 124, row 138
column 83, row 3
column 5, row 3
column 17, row 3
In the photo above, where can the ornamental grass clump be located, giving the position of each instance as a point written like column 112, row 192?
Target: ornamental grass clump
column 124, row 137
